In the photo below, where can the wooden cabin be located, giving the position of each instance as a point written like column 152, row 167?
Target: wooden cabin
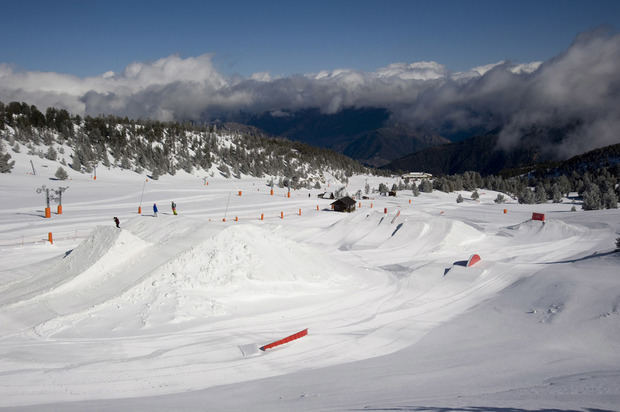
column 346, row 204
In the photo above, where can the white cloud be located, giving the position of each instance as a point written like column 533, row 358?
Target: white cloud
column 581, row 83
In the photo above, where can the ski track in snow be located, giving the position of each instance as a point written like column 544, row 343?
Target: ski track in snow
column 162, row 305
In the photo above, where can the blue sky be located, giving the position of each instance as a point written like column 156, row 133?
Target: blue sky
column 87, row 38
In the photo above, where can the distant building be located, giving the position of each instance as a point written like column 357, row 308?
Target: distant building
column 417, row 175
column 346, row 204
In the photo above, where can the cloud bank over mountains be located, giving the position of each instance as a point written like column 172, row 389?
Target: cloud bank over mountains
column 578, row 90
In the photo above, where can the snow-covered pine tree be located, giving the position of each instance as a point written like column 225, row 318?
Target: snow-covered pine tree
column 6, row 164
column 592, row 198
column 61, row 174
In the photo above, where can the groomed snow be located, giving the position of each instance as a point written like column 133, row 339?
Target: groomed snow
column 152, row 316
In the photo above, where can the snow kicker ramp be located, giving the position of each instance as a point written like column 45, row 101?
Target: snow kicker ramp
column 411, row 235
column 219, row 276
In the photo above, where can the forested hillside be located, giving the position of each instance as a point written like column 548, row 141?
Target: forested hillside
column 158, row 148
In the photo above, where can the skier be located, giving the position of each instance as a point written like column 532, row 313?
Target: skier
column 174, row 208
column 118, row 222
column 154, row 210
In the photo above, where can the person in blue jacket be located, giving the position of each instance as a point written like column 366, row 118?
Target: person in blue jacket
column 154, row 209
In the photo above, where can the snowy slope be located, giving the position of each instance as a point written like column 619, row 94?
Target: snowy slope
column 152, row 316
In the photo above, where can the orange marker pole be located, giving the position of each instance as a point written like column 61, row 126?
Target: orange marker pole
column 224, row 219
column 288, row 194
column 49, row 237
column 48, row 212
column 505, row 211
column 281, row 215
column 59, row 211
column 262, row 216
column 271, row 192
column 299, row 212
column 371, row 205
column 240, row 193
column 139, row 210
column 317, row 208
column 409, row 201
column 385, row 210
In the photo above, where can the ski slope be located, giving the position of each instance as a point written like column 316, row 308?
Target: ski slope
column 152, row 316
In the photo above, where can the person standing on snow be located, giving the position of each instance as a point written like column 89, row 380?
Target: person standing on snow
column 154, row 210
column 174, row 208
column 118, row 222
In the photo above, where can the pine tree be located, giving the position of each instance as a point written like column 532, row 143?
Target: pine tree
column 592, row 198
column 125, row 163
column 459, row 199
column 426, row 186
column 76, row 164
column 51, row 153
column 556, row 193
column 224, row 170
column 540, row 194
column 475, row 195
column 610, row 200
column 526, row 196
column 500, row 199
column 6, row 164
column 415, row 190
column 61, row 174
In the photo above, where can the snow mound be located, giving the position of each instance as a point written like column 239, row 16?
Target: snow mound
column 418, row 232
column 91, row 263
column 239, row 264
column 536, row 231
column 247, row 256
column 86, row 266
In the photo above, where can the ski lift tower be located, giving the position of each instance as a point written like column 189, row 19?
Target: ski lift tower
column 48, row 212
column 58, row 197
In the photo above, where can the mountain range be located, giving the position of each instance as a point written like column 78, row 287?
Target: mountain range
column 372, row 137
column 364, row 134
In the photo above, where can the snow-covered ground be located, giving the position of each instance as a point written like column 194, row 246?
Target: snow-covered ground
column 154, row 316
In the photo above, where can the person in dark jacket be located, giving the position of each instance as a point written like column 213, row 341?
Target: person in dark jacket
column 118, row 222
column 154, row 209
column 174, row 208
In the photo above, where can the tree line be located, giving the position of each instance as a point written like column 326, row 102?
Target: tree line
column 597, row 186
column 164, row 147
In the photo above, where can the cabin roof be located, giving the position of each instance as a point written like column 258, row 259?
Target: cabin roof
column 347, row 201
